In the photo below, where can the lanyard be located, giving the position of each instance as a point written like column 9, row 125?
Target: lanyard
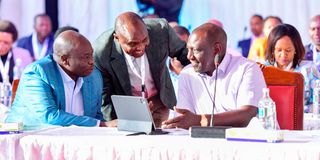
column 142, row 75
column 4, row 68
column 35, row 47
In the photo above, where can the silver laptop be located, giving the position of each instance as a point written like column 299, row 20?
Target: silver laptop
column 134, row 115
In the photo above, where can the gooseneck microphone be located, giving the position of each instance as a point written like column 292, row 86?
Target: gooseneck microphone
column 210, row 131
column 216, row 63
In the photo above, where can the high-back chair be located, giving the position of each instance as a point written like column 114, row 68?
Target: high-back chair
column 15, row 84
column 286, row 89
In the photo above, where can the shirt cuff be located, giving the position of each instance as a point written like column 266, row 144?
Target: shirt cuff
column 98, row 123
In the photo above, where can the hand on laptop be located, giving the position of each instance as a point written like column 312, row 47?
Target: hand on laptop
column 151, row 106
column 185, row 120
column 112, row 123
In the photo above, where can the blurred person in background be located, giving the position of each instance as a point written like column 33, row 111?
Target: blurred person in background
column 256, row 26
column 259, row 45
column 40, row 42
column 313, row 49
column 11, row 55
column 286, row 51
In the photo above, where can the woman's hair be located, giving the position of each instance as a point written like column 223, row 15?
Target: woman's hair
column 7, row 26
column 277, row 33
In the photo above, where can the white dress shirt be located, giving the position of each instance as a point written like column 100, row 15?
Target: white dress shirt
column 73, row 94
column 135, row 80
column 239, row 83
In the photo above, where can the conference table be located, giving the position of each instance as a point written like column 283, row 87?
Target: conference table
column 107, row 143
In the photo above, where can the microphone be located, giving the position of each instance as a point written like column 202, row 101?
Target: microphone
column 245, row 31
column 211, row 131
column 216, row 63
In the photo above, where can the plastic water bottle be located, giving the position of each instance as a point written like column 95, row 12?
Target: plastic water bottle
column 316, row 100
column 5, row 92
column 17, row 69
column 267, row 111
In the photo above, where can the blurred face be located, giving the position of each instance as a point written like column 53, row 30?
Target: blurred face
column 269, row 25
column 80, row 62
column 314, row 31
column 133, row 43
column 43, row 26
column 184, row 37
column 6, row 41
column 201, row 54
column 256, row 25
column 284, row 52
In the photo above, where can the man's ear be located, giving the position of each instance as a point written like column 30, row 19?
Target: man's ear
column 65, row 59
column 217, row 47
column 116, row 36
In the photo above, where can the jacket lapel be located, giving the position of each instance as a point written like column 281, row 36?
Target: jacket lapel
column 87, row 96
column 119, row 65
column 153, row 65
column 58, row 84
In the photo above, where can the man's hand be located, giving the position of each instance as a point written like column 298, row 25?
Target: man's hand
column 151, row 106
column 175, row 65
column 185, row 120
column 112, row 123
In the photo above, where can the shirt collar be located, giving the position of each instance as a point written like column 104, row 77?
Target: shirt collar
column 224, row 64
column 67, row 79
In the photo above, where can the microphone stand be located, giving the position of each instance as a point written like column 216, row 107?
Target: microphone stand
column 211, row 131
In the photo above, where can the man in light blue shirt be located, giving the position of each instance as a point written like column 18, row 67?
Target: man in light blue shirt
column 61, row 89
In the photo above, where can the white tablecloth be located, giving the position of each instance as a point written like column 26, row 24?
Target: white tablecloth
column 105, row 143
column 310, row 122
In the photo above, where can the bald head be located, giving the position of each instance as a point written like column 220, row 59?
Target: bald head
column 129, row 24
column 67, row 41
column 131, row 33
column 212, row 33
column 74, row 53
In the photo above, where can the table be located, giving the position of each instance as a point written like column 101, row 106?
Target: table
column 107, row 143
column 310, row 123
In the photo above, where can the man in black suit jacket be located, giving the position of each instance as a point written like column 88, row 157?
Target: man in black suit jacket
column 148, row 41
column 40, row 43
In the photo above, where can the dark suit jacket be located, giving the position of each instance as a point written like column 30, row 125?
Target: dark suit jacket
column 26, row 43
column 245, row 46
column 309, row 53
column 109, row 59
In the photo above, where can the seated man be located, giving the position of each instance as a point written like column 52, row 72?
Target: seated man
column 61, row 89
column 239, row 83
column 39, row 43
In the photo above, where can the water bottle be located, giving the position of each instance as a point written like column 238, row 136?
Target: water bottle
column 267, row 111
column 5, row 92
column 316, row 100
column 17, row 69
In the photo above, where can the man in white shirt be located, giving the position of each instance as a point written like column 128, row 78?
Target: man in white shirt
column 61, row 89
column 239, row 83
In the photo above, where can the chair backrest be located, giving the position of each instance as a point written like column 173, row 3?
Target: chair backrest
column 286, row 89
column 15, row 84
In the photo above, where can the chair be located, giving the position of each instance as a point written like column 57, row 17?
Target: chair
column 286, row 89
column 15, row 84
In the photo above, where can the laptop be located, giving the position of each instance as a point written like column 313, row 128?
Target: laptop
column 134, row 115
